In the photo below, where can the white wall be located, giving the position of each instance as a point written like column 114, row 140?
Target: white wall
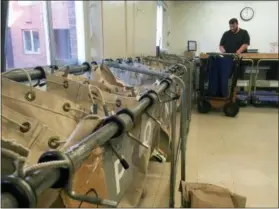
column 93, row 30
column 166, row 25
column 145, row 28
column 114, row 33
column 206, row 21
column 120, row 29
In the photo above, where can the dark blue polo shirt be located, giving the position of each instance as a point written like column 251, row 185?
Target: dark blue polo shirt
column 233, row 41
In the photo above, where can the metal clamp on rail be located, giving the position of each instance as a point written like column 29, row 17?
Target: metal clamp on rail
column 166, row 80
column 87, row 65
column 121, row 129
column 119, row 60
column 127, row 111
column 151, row 98
column 129, row 60
column 120, row 123
column 54, row 67
column 20, row 190
column 24, row 190
column 43, row 73
column 130, row 135
column 138, row 59
column 64, row 176
column 107, row 60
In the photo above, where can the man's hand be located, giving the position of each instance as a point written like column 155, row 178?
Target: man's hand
column 222, row 49
column 242, row 48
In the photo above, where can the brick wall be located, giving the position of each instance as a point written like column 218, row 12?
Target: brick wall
column 72, row 26
column 31, row 17
column 27, row 17
column 60, row 13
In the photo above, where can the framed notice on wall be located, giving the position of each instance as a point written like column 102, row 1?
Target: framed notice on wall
column 192, row 46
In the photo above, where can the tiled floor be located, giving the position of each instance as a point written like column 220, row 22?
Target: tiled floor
column 238, row 153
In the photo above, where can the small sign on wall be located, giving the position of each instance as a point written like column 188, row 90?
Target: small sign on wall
column 192, row 46
column 274, row 47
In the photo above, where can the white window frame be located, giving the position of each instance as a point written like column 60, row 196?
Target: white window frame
column 26, row 3
column 32, row 42
column 81, row 41
column 159, row 25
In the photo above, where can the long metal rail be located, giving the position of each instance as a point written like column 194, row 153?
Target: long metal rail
column 258, row 70
column 138, row 70
column 250, row 77
column 4, row 23
column 39, row 72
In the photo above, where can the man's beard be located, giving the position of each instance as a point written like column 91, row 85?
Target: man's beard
column 235, row 30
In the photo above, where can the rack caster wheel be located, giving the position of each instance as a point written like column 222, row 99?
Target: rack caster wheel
column 231, row 109
column 242, row 103
column 203, row 106
column 257, row 103
column 178, row 105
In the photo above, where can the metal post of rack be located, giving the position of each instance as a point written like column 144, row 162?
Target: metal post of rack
column 250, row 77
column 4, row 22
column 183, row 131
column 255, row 98
column 173, row 151
column 257, row 69
column 190, row 90
column 185, row 113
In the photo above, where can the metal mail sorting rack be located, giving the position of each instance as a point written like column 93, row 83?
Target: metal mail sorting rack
column 10, row 186
column 265, row 88
column 254, row 87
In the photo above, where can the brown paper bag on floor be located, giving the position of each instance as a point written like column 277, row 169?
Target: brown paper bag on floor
column 202, row 195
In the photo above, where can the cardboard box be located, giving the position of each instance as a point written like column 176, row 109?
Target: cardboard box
column 202, row 195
